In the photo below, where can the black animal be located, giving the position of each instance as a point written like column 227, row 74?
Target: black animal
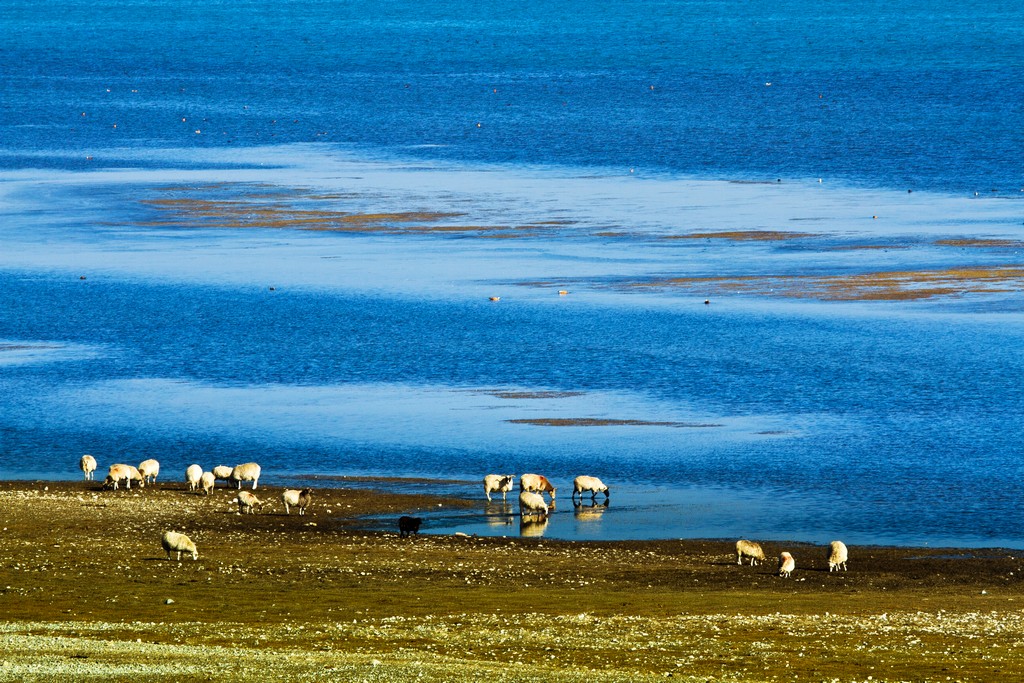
column 408, row 526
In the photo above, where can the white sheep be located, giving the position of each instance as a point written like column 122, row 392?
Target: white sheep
column 495, row 483
column 594, row 485
column 222, row 472
column 88, row 465
column 297, row 499
column 206, row 482
column 248, row 502
column 536, row 482
column 136, row 476
column 532, row 504
column 250, row 471
column 118, row 473
column 837, row 556
column 172, row 541
column 149, row 470
column 745, row 548
column 786, row 564
column 193, row 475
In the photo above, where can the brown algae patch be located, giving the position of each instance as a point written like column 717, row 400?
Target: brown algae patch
column 256, row 206
column 883, row 286
column 981, row 243
column 604, row 422
column 518, row 395
column 239, row 213
column 744, row 235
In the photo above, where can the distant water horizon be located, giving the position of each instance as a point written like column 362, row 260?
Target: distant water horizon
column 906, row 95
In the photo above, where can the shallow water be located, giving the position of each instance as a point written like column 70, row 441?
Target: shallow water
column 381, row 354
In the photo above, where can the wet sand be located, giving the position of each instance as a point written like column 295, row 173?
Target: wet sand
column 86, row 591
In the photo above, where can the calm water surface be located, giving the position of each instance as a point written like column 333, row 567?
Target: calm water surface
column 617, row 123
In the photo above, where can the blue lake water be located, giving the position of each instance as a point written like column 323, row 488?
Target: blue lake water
column 588, row 137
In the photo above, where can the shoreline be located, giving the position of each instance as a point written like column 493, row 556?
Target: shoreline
column 85, row 588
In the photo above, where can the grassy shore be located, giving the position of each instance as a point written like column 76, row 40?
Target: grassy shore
column 86, row 593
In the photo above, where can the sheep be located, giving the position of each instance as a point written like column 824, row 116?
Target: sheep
column 172, row 541
column 745, row 548
column 593, row 484
column 536, row 482
column 136, row 476
column 206, row 482
column 299, row 499
column 193, row 475
column 786, row 564
column 88, row 465
column 408, row 526
column 149, row 470
column 532, row 504
column 116, row 474
column 120, row 472
column 837, row 556
column 250, row 471
column 222, row 472
column 248, row 502
column 498, row 482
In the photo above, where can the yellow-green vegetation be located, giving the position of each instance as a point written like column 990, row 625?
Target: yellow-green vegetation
column 86, row 593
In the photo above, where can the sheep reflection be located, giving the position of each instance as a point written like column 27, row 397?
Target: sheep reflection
column 533, row 526
column 499, row 513
column 590, row 511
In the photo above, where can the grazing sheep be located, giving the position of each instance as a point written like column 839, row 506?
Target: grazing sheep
column 786, row 564
column 250, row 471
column 837, row 556
column 248, row 502
column 593, row 484
column 532, row 504
column 498, row 482
column 408, row 526
column 206, row 482
column 193, row 475
column 149, row 470
column 745, row 548
column 88, row 465
column 172, row 541
column 137, row 476
column 298, row 499
column 536, row 482
column 122, row 473
column 116, row 474
column 222, row 472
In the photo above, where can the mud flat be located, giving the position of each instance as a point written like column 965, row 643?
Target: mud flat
column 86, row 593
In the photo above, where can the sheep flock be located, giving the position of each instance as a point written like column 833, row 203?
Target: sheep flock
column 534, row 509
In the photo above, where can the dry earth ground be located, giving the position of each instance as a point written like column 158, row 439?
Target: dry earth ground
column 87, row 593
